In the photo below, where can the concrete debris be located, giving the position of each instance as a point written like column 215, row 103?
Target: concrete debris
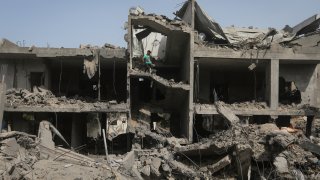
column 205, row 23
column 307, row 26
column 211, row 34
column 227, row 113
column 45, row 135
column 136, row 11
column 5, row 43
column 25, row 156
column 160, row 80
column 117, row 124
column 281, row 165
column 220, row 164
column 162, row 130
column 237, row 152
column 45, row 101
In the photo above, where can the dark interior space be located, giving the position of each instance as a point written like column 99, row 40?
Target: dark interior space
column 121, row 144
column 263, row 119
column 72, row 126
column 36, row 79
column 288, row 92
column 205, row 125
column 68, row 79
column 283, row 121
column 296, row 86
column 229, row 81
column 158, row 100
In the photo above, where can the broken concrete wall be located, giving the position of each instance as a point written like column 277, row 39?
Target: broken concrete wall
column 18, row 72
column 155, row 42
column 305, row 78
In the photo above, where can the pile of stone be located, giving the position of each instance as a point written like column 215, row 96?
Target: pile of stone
column 18, row 153
column 25, row 156
column 38, row 96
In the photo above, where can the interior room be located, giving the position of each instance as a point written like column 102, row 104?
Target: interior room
column 229, row 81
column 68, row 78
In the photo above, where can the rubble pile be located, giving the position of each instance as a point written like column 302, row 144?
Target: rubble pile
column 40, row 96
column 165, row 82
column 161, row 19
column 243, row 151
column 18, row 153
column 23, row 157
column 44, row 98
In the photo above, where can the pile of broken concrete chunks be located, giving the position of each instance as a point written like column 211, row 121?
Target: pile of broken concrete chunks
column 251, row 151
column 18, row 153
column 25, row 156
column 39, row 96
column 23, row 96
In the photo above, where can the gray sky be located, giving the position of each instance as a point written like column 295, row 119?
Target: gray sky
column 69, row 23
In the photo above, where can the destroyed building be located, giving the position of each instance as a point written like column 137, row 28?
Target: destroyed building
column 226, row 100
column 68, row 86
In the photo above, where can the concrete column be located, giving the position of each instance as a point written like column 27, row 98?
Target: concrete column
column 272, row 84
column 191, row 82
column 76, row 131
column 2, row 102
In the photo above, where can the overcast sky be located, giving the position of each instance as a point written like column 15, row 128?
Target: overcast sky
column 69, row 23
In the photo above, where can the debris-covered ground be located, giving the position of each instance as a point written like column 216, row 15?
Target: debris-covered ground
column 243, row 151
column 23, row 157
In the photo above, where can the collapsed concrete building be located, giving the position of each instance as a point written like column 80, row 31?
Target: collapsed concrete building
column 234, row 65
column 216, row 94
column 67, row 86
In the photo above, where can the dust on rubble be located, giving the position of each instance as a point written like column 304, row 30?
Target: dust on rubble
column 22, row 157
column 257, row 151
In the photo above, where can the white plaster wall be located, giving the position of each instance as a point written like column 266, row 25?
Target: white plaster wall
column 155, row 42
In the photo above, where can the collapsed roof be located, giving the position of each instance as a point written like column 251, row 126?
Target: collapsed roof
column 212, row 32
column 203, row 22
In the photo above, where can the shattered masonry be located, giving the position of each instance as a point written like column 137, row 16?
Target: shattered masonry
column 220, row 103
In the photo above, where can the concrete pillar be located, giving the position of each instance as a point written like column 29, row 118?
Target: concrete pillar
column 2, row 102
column 191, row 82
column 76, row 131
column 272, row 84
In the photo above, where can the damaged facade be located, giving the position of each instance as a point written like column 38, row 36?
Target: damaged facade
column 220, row 102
